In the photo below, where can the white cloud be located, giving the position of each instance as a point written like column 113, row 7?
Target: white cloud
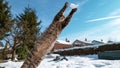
column 112, row 15
column 115, row 22
column 112, row 34
column 108, row 31
column 116, row 12
column 104, row 18
column 83, row 2
column 80, row 4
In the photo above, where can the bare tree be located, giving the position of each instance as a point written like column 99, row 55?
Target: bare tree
column 14, row 39
column 14, row 34
column 46, row 42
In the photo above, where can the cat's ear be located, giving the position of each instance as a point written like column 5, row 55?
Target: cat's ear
column 68, row 18
column 60, row 13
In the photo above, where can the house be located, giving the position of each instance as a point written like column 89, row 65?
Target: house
column 110, row 41
column 81, row 43
column 61, row 45
column 95, row 42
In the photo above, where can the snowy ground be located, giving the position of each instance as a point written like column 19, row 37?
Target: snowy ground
column 90, row 61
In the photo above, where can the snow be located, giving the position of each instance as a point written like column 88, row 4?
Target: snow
column 89, row 61
column 82, row 47
column 87, row 46
column 1, row 47
column 62, row 42
column 73, row 6
column 11, row 64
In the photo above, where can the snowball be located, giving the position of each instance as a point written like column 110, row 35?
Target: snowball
column 73, row 5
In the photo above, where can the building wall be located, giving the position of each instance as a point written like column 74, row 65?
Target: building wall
column 61, row 46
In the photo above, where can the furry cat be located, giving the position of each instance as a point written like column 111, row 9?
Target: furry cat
column 46, row 42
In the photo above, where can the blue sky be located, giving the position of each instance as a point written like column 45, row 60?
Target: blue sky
column 94, row 20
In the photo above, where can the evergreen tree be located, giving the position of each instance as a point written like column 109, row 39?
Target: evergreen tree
column 30, row 27
column 5, row 19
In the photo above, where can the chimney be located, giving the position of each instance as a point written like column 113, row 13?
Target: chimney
column 86, row 39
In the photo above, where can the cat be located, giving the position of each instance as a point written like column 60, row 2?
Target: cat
column 46, row 42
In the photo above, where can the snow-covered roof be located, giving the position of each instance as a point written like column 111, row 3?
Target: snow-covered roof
column 62, row 42
column 97, row 42
column 83, row 47
column 81, row 42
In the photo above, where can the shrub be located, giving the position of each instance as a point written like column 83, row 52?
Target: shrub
column 1, row 56
column 22, row 52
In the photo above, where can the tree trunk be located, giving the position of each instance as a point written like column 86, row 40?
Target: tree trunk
column 14, row 50
column 46, row 42
column 13, row 55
